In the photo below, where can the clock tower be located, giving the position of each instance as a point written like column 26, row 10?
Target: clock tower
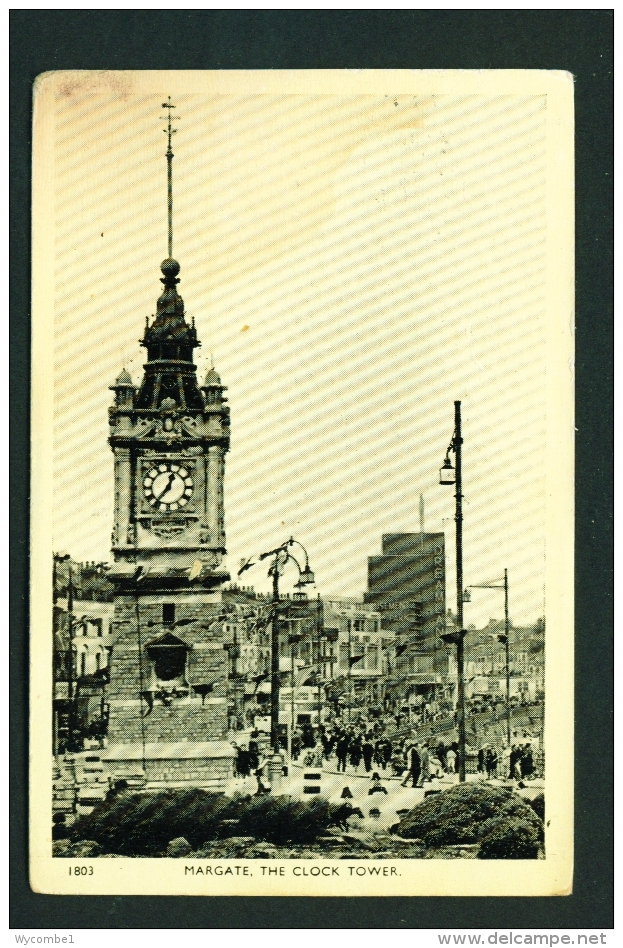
column 169, row 438
column 168, row 669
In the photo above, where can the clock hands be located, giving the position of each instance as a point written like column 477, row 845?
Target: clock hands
column 162, row 497
column 168, row 487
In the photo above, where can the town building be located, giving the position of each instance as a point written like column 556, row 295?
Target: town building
column 360, row 652
column 83, row 638
column 407, row 586
column 485, row 663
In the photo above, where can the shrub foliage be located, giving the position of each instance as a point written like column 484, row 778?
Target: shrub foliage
column 143, row 824
column 510, row 839
column 476, row 813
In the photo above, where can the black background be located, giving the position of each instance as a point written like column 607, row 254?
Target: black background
column 578, row 41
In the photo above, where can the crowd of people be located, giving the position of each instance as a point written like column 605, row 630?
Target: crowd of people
column 375, row 747
column 363, row 748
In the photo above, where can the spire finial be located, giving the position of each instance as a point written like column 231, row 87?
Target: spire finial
column 169, row 153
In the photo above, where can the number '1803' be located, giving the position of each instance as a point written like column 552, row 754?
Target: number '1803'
column 81, row 870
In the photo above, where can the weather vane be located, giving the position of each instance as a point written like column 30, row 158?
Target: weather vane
column 169, row 132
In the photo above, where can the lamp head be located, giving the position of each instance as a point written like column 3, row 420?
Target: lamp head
column 447, row 473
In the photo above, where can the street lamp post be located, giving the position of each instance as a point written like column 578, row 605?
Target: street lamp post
column 274, row 660
column 293, row 639
column 505, row 641
column 450, row 475
column 350, row 670
column 280, row 557
column 69, row 657
column 321, row 653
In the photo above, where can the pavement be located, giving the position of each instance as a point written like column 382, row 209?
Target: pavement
column 397, row 797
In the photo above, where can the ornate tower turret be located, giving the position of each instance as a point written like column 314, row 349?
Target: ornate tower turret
column 169, row 439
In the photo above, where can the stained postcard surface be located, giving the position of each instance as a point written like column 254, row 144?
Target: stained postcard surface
column 302, row 483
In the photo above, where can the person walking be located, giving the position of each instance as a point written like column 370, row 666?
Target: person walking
column 526, row 763
column 243, row 762
column 450, row 760
column 388, row 752
column 254, row 750
column 424, row 763
column 318, row 752
column 263, row 786
column 297, row 745
column 379, row 753
column 341, row 750
column 513, row 770
column 355, row 752
column 441, row 754
column 367, row 750
column 491, row 763
column 413, row 767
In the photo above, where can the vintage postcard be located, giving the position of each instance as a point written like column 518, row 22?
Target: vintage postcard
column 302, row 483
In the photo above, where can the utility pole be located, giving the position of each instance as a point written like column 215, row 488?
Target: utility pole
column 506, row 651
column 274, row 661
column 450, row 475
column 460, row 648
column 503, row 639
column 321, row 649
column 350, row 671
column 70, row 670
column 280, row 557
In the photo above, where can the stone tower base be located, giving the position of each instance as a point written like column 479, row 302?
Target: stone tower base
column 205, row 764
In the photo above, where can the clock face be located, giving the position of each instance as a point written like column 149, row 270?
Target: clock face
column 168, row 487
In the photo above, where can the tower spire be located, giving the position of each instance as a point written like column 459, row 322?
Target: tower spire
column 169, row 131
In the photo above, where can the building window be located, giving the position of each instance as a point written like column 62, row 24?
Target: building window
column 372, row 658
column 169, row 660
column 98, row 661
column 168, row 613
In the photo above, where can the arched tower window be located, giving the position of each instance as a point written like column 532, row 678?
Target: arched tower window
column 168, row 655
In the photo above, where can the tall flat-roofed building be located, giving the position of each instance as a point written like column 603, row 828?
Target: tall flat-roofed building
column 407, row 585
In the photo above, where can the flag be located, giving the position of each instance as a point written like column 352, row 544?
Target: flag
column 355, row 658
column 301, row 676
column 245, row 565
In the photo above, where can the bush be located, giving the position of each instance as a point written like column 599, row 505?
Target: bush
column 511, row 839
column 144, row 824
column 538, row 805
column 281, row 820
column 468, row 813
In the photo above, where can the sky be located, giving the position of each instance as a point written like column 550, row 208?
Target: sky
column 354, row 264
